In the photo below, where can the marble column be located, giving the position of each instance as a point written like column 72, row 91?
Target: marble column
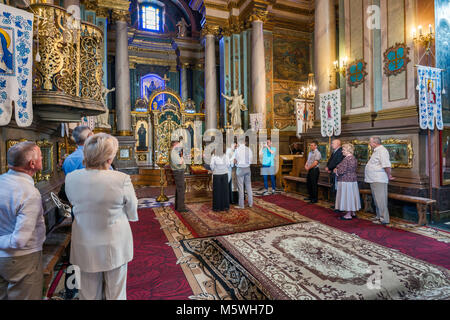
column 324, row 48
column 210, row 77
column 125, row 160
column 258, row 71
column 184, row 82
column 122, row 70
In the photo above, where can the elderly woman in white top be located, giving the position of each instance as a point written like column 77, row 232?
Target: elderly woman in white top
column 103, row 202
column 220, row 166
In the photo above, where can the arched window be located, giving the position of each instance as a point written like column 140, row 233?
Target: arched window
column 150, row 17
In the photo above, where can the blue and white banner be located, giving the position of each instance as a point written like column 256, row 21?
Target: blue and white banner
column 16, row 63
column 429, row 85
column 330, row 113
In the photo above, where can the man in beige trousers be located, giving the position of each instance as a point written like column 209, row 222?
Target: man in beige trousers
column 378, row 174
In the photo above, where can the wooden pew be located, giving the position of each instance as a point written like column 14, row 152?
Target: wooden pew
column 55, row 245
column 421, row 203
column 290, row 183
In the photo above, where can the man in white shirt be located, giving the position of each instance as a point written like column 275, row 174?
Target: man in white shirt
column 22, row 225
column 243, row 159
column 378, row 174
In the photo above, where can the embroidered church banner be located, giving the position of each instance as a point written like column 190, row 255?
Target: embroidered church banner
column 16, row 59
column 429, row 85
column 330, row 113
column 300, row 106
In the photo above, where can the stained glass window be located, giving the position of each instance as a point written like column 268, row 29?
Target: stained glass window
column 150, row 18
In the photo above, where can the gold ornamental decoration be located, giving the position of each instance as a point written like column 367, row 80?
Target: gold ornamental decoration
column 121, row 15
column 259, row 14
column 210, row 29
column 91, row 62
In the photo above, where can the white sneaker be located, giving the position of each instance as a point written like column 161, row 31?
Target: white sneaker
column 266, row 193
column 238, row 207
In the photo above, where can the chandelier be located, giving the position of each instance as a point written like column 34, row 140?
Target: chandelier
column 308, row 91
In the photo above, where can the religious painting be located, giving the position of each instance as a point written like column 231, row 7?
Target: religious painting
column 141, row 134
column 124, row 153
column 256, row 121
column 442, row 50
column 396, row 59
column 291, row 59
column 356, row 73
column 150, row 83
column 284, row 105
column 324, row 149
column 446, row 155
column 166, row 98
column 362, row 151
column 47, row 160
column 400, row 152
column 7, row 51
column 62, row 151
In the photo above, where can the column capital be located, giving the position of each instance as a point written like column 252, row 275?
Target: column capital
column 258, row 14
column 121, row 15
column 89, row 5
column 102, row 12
column 209, row 29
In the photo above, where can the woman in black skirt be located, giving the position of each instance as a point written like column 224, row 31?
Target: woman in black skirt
column 220, row 165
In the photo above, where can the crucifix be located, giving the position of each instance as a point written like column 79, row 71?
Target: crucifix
column 165, row 79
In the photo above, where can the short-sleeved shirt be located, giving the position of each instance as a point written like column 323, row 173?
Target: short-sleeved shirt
column 379, row 160
column 74, row 161
column 313, row 156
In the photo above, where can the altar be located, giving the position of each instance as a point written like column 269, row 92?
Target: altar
column 198, row 187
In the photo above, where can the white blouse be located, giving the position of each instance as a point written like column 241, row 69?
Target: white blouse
column 220, row 165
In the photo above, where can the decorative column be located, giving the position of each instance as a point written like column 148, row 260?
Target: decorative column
column 324, row 48
column 126, row 157
column 184, row 81
column 210, row 32
column 258, row 71
column 123, row 100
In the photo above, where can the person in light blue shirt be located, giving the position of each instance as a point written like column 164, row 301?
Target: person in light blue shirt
column 75, row 160
column 268, row 167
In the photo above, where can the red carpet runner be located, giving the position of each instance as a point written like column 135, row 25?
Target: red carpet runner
column 414, row 245
column 153, row 273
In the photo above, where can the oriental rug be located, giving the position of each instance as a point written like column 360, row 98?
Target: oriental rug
column 311, row 261
column 202, row 221
column 428, row 247
column 234, row 278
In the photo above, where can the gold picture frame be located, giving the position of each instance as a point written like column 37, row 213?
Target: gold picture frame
column 62, row 150
column 401, row 152
column 362, row 151
column 124, row 153
column 324, row 149
column 47, row 160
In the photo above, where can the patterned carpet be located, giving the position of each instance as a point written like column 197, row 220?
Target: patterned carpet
column 413, row 244
column 311, row 261
column 202, row 221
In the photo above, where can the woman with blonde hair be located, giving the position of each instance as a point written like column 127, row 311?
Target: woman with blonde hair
column 347, row 198
column 103, row 203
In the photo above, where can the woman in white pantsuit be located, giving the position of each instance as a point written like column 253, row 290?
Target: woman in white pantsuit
column 103, row 202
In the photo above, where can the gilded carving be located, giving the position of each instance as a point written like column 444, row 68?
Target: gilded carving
column 121, row 15
column 210, row 29
column 259, row 14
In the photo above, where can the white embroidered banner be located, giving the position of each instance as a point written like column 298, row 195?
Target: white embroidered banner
column 429, row 85
column 304, row 114
column 330, row 113
column 16, row 62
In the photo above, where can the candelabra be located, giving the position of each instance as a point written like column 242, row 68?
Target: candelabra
column 308, row 91
column 341, row 66
column 425, row 40
column 162, row 197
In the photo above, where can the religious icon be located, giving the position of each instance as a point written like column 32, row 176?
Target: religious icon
column 6, row 51
column 431, row 95
column 142, row 138
column 329, row 115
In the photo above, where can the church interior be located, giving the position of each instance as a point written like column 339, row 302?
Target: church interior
column 302, row 72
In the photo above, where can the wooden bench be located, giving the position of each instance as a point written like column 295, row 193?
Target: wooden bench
column 421, row 203
column 54, row 247
column 290, row 183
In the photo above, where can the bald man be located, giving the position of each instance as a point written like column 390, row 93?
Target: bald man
column 22, row 225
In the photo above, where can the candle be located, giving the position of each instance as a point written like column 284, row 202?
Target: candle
column 414, row 33
column 431, row 28
column 420, row 30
